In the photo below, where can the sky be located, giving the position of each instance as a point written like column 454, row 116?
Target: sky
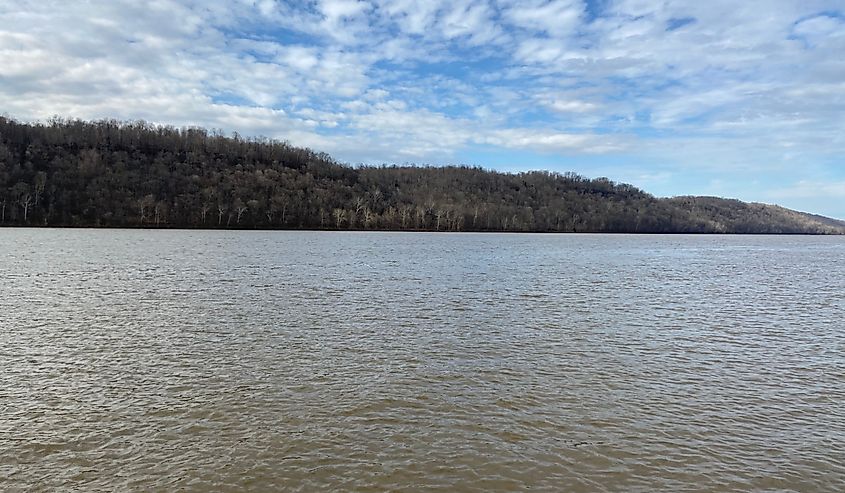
column 735, row 99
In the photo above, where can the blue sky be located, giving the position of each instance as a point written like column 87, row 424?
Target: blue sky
column 737, row 99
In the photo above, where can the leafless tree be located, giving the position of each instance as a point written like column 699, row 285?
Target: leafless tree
column 25, row 202
column 339, row 217
column 40, row 183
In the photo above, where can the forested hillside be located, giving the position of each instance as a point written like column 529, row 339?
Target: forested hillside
column 133, row 174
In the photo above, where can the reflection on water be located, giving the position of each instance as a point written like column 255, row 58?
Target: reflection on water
column 231, row 361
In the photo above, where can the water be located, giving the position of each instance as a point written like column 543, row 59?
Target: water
column 235, row 361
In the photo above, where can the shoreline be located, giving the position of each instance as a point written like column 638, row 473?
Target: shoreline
column 332, row 230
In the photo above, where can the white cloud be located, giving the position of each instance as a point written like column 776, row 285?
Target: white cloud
column 336, row 10
column 545, row 141
column 570, row 106
column 470, row 19
column 817, row 28
column 557, row 18
column 811, row 189
column 412, row 17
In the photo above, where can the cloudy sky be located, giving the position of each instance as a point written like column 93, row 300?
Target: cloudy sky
column 738, row 99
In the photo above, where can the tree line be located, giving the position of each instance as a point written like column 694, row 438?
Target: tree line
column 134, row 174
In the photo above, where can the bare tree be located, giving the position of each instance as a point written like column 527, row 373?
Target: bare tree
column 279, row 203
column 339, row 217
column 160, row 211
column 404, row 214
column 421, row 215
column 253, row 206
column 25, row 202
column 368, row 217
column 438, row 214
column 144, row 205
column 40, row 183
column 240, row 208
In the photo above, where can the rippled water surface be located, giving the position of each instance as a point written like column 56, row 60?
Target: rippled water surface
column 299, row 361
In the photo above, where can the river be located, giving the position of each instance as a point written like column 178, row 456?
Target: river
column 145, row 360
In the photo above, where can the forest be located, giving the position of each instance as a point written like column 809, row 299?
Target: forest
column 112, row 173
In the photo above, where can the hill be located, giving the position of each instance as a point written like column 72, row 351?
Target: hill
column 133, row 174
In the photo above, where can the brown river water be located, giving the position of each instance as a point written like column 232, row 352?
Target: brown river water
column 308, row 361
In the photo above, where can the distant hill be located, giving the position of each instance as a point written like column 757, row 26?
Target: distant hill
column 729, row 215
column 132, row 174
